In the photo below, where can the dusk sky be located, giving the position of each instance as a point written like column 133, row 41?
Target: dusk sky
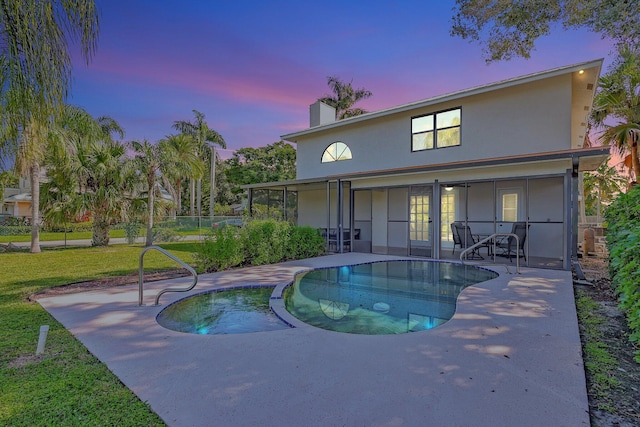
column 254, row 67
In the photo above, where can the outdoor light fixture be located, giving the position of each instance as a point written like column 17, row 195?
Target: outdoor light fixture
column 581, row 72
column 449, row 187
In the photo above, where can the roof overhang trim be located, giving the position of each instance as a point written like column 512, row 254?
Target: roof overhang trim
column 588, row 159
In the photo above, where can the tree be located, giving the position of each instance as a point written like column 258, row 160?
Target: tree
column 150, row 161
column 274, row 162
column 509, row 29
column 344, row 98
column 202, row 134
column 35, row 38
column 618, row 99
column 86, row 173
column 33, row 143
column 601, row 187
column 36, row 72
column 187, row 165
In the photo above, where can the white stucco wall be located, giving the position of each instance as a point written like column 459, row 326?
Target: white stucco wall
column 522, row 119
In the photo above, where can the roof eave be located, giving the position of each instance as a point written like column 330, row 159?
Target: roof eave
column 596, row 154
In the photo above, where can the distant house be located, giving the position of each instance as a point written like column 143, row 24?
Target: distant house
column 489, row 158
column 17, row 201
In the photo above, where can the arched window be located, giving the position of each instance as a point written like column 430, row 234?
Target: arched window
column 336, row 151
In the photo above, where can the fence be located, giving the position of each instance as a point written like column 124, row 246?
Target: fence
column 163, row 227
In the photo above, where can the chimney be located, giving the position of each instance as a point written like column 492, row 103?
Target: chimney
column 321, row 114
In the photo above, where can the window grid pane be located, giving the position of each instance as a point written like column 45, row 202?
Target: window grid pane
column 447, row 216
column 510, row 207
column 448, row 119
column 419, row 218
column 335, row 152
column 449, row 137
column 422, row 124
column 422, row 141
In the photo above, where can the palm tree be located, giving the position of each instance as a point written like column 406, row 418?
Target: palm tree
column 344, row 98
column 619, row 99
column 203, row 134
column 86, row 172
column 106, row 179
column 150, row 161
column 33, row 143
column 187, row 164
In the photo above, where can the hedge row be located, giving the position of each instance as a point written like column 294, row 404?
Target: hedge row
column 257, row 243
column 18, row 229
column 623, row 241
column 14, row 230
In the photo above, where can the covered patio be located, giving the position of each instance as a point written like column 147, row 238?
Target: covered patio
column 410, row 211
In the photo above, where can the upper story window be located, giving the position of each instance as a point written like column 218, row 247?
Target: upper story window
column 435, row 130
column 336, row 151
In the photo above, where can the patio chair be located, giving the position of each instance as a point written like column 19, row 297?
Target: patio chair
column 509, row 246
column 456, row 237
column 467, row 239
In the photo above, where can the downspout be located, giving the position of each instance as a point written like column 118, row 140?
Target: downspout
column 573, row 216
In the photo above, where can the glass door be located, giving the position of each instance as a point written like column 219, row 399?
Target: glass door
column 420, row 221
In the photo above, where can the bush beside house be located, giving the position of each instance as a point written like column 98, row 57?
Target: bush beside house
column 623, row 240
column 258, row 242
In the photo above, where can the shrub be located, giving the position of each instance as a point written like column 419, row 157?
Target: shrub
column 13, row 221
column 14, row 230
column 221, row 250
column 69, row 227
column 258, row 242
column 304, row 242
column 265, row 241
column 165, row 235
column 623, row 241
column 132, row 230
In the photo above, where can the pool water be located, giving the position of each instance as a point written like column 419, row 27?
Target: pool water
column 389, row 297
column 234, row 311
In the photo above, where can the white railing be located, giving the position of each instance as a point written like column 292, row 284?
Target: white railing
column 176, row 259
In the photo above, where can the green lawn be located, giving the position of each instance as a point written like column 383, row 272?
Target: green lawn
column 66, row 385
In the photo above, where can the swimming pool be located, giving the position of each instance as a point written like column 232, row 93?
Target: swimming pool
column 386, row 297
column 230, row 311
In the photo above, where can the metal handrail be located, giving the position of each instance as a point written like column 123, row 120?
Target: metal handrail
column 492, row 237
column 176, row 259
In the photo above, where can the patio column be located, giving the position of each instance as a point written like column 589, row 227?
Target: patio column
column 284, row 203
column 436, row 220
column 328, row 234
column 571, row 200
column 339, row 216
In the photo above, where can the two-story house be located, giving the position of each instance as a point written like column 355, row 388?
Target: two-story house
column 17, row 201
column 401, row 180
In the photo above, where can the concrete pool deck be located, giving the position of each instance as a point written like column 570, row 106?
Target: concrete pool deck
column 511, row 356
